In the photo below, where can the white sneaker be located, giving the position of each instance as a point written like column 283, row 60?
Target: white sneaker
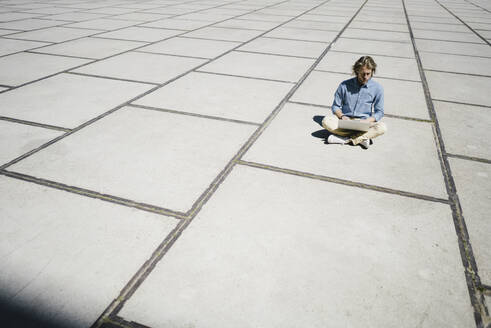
column 365, row 144
column 334, row 139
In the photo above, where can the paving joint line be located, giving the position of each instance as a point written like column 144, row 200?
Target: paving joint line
column 350, row 183
column 453, row 41
column 173, row 111
column 466, row 252
column 470, row 28
column 362, row 53
column 460, row 103
column 274, row 54
column 58, row 55
column 308, row 104
column 472, row 3
column 143, row 272
column 36, row 124
column 94, row 194
column 245, row 77
column 469, row 158
column 378, row 76
column 291, row 39
column 113, row 78
column 458, row 73
column 448, row 53
column 173, row 55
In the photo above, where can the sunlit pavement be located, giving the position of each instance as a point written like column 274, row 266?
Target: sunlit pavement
column 162, row 164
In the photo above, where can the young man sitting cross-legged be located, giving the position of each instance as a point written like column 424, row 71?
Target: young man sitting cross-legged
column 357, row 98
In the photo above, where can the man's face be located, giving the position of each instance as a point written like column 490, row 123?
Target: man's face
column 364, row 74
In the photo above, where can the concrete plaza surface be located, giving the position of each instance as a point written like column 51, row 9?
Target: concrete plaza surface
column 162, row 164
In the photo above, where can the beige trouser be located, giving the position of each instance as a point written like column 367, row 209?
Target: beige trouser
column 330, row 123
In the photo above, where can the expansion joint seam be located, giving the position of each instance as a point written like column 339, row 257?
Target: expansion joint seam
column 467, row 256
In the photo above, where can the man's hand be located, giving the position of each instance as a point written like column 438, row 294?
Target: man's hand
column 370, row 120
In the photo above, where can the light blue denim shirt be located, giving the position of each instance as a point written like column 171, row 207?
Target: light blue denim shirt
column 357, row 101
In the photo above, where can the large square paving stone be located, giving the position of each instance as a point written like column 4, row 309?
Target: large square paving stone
column 473, row 183
column 390, row 67
column 469, row 49
column 274, row 250
column 8, row 46
column 302, row 34
column 272, row 67
column 191, row 47
column 25, row 67
column 67, row 100
column 472, row 90
column 403, row 98
column 218, row 95
column 395, row 161
column 371, row 47
column 144, row 34
column 465, row 129
column 156, row 158
column 66, row 257
column 224, row 34
column 456, row 63
column 360, row 33
column 285, row 47
column 146, row 67
column 17, row 139
column 54, row 34
column 447, row 36
column 88, row 47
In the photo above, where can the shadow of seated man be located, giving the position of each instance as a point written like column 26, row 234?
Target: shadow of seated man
column 359, row 98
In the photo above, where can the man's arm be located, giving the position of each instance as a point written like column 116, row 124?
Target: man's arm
column 338, row 103
column 378, row 105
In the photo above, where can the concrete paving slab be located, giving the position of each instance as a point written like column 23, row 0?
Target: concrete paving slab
column 67, row 100
column 273, row 67
column 456, row 63
column 207, row 17
column 440, row 27
column 30, row 24
column 54, row 34
column 191, row 47
column 371, row 47
column 403, row 98
column 447, row 36
column 140, row 17
column 327, row 26
column 88, row 47
column 12, row 16
column 66, row 257
column 465, row 129
column 469, row 49
column 144, row 34
column 326, row 18
column 217, row 95
column 378, row 19
column 459, row 88
column 413, row 167
column 389, row 67
column 363, row 34
column 9, row 46
column 307, row 263
column 25, row 67
column 177, row 169
column 105, row 24
column 135, row 66
column 76, row 16
column 286, row 47
column 442, row 18
column 265, row 17
column 472, row 180
column 247, row 24
column 224, row 34
column 178, row 24
column 379, row 26
column 17, row 139
column 302, row 34
column 7, row 32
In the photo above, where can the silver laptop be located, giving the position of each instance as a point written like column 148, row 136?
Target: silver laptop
column 356, row 125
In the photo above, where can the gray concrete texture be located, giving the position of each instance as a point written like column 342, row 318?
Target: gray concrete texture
column 162, row 164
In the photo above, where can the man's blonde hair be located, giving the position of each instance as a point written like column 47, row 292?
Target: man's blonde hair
column 364, row 61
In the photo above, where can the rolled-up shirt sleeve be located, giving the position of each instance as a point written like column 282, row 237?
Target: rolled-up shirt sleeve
column 378, row 105
column 338, row 99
